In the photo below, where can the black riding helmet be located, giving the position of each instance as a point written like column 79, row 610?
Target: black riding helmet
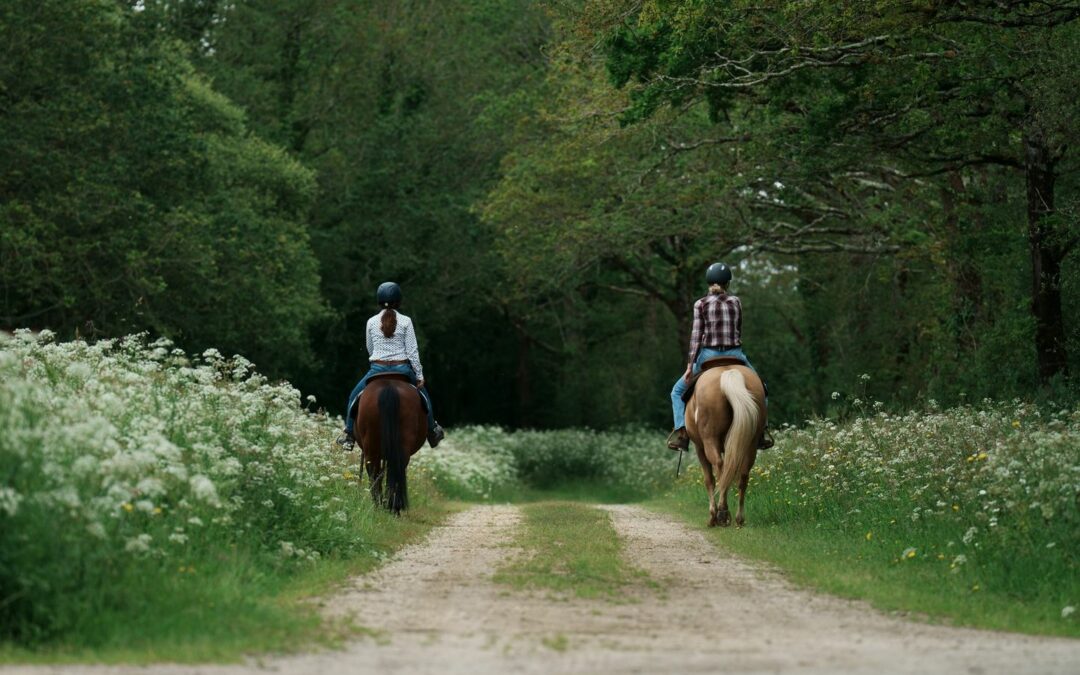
column 718, row 273
column 389, row 293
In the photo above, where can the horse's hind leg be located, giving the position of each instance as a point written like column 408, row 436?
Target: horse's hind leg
column 723, row 515
column 710, row 485
column 740, row 515
column 718, row 512
column 375, row 477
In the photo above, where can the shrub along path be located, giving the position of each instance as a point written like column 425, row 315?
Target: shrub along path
column 686, row 607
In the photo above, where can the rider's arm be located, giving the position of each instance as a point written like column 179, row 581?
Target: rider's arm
column 738, row 316
column 695, row 334
column 412, row 350
column 367, row 334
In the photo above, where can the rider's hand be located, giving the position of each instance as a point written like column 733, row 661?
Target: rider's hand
column 420, row 383
column 688, row 374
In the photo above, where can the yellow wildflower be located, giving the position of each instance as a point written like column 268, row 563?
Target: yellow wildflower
column 127, row 507
column 1016, row 424
column 157, row 510
column 869, row 535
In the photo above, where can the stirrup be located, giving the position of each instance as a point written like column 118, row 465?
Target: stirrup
column 766, row 440
column 679, row 439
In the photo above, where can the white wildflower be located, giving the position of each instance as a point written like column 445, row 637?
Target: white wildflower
column 9, row 501
column 202, row 488
column 96, row 530
column 139, row 544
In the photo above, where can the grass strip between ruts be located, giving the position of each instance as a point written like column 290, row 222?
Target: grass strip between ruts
column 569, row 548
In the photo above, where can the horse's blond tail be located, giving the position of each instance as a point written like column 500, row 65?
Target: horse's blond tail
column 739, row 441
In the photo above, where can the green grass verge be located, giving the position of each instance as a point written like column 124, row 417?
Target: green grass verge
column 827, row 555
column 569, row 548
column 232, row 606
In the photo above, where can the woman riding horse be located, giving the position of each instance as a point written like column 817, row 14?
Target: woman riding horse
column 391, row 344
column 717, row 331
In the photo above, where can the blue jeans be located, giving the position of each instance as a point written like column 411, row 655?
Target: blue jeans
column 678, row 406
column 376, row 368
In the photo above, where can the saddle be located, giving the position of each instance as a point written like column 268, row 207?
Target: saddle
column 706, row 365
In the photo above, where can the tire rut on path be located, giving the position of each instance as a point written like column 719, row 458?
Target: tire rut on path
column 435, row 609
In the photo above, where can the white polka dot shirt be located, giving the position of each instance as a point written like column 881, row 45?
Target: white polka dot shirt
column 400, row 346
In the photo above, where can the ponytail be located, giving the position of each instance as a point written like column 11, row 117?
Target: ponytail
column 389, row 321
column 717, row 289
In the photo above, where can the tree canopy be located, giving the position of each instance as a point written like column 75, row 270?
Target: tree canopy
column 894, row 183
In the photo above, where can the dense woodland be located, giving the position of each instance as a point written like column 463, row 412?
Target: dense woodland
column 897, row 183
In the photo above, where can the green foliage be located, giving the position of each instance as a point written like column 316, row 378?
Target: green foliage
column 149, row 500
column 135, row 198
column 401, row 109
column 242, row 175
column 968, row 513
column 491, row 463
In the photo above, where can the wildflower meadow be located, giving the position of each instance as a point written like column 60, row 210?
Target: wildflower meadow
column 140, row 485
column 147, row 492
column 971, row 512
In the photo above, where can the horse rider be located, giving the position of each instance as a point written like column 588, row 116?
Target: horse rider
column 717, row 331
column 391, row 344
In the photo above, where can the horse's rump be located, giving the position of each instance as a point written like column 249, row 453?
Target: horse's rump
column 725, row 418
column 391, row 426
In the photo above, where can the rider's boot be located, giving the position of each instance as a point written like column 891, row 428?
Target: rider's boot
column 346, row 440
column 435, row 434
column 679, row 439
column 766, row 441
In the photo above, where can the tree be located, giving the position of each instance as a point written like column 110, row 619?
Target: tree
column 135, row 198
column 908, row 91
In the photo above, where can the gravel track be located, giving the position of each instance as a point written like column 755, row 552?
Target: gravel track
column 435, row 609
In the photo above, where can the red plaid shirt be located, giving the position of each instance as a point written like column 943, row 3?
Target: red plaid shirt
column 717, row 324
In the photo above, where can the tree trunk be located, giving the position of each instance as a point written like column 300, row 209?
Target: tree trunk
column 1046, row 258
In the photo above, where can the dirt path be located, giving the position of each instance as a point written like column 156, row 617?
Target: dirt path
column 435, row 610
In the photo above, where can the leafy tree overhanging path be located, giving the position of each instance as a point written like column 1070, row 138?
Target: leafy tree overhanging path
column 435, row 609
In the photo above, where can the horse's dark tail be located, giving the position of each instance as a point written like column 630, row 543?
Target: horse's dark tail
column 393, row 450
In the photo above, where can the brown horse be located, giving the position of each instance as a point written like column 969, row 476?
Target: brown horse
column 392, row 427
column 725, row 417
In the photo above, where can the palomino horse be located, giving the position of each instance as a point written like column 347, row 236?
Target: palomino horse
column 392, row 427
column 725, row 417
